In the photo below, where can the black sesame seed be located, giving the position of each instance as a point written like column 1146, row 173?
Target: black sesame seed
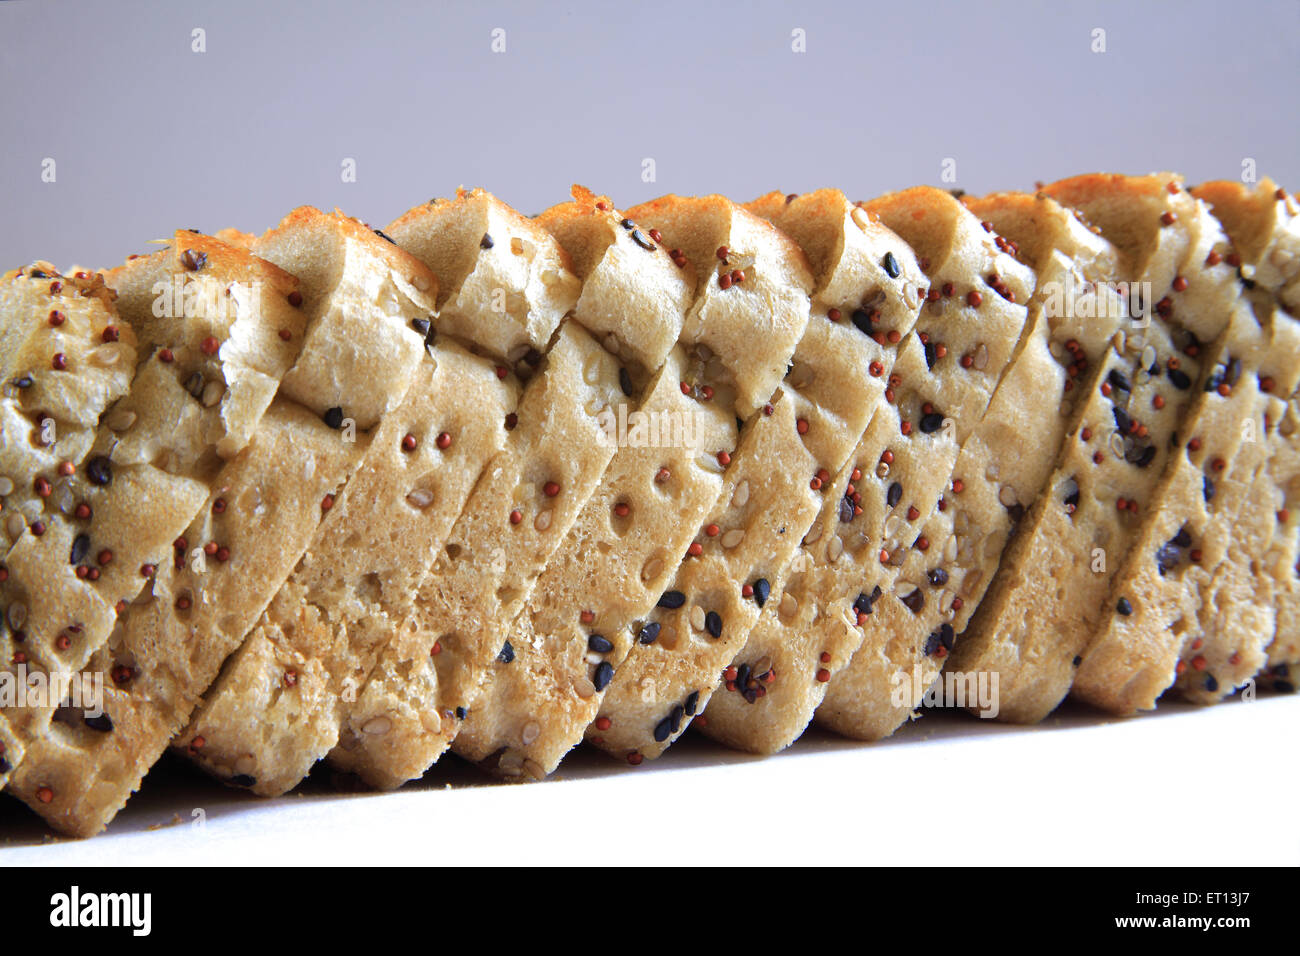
column 1077, row 660
column 100, row 470
column 931, row 423
column 103, row 723
column 931, row 355
column 649, row 632
column 914, row 601
column 891, row 266
column 932, row 644
column 1118, row 381
column 507, row 654
column 382, row 235
column 625, row 382
column 663, row 729
column 846, row 509
column 1207, row 488
column 334, row 417
column 742, row 676
column 422, row 326
column 242, row 780
column 1182, row 539
column 24, row 381
column 1167, row 558
column 603, row 675
column 600, row 645
column 1180, row 379
column 676, row 716
column 672, row 599
column 894, row 495
column 1122, row 420
column 938, row 577
column 692, row 702
column 947, row 636
column 862, row 319
column 1211, row 683
column 1148, row 455
column 626, row 223
column 642, row 241
column 1124, row 607
column 80, row 545
column 863, row 604
column 461, row 713
column 762, row 590
column 486, row 242
column 713, row 623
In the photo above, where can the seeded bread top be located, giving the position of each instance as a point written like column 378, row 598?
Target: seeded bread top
column 359, row 353
column 745, row 268
column 64, row 350
column 224, row 322
column 1264, row 226
column 504, row 283
column 634, row 295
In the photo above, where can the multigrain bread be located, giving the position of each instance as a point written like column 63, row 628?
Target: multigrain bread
column 275, row 709
column 1264, row 226
column 1125, row 666
column 1031, row 629
column 211, row 325
column 426, row 682
column 774, row 486
column 983, row 315
column 803, row 628
column 209, row 427
column 322, row 635
column 575, row 629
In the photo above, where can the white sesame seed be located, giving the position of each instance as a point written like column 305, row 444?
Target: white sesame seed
column 377, row 726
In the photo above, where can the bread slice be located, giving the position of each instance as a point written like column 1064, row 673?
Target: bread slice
column 847, row 248
column 774, row 486
column 275, row 710
column 1160, row 601
column 1264, row 226
column 622, row 548
column 428, row 679
column 204, row 316
column 1029, row 629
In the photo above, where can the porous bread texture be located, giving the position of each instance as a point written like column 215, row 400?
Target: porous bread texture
column 1264, row 226
column 1031, row 629
column 504, row 284
column 217, row 589
column 361, row 293
column 276, row 708
column 795, row 629
column 619, row 553
column 774, row 488
column 196, row 290
column 1200, row 495
column 169, row 643
column 699, row 227
column 430, row 676
column 887, row 592
column 144, row 476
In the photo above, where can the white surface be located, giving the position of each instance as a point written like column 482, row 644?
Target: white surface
column 1181, row 786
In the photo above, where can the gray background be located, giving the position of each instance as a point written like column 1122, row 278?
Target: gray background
column 149, row 136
